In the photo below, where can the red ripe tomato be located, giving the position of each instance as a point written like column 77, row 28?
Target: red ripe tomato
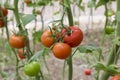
column 5, row 11
column 87, row 71
column 74, row 38
column 116, row 77
column 21, row 54
column 1, row 23
column 61, row 50
column 47, row 39
column 18, row 41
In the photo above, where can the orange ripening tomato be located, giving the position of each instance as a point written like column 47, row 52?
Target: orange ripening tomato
column 47, row 38
column 74, row 38
column 116, row 77
column 61, row 50
column 1, row 23
column 5, row 11
column 18, row 41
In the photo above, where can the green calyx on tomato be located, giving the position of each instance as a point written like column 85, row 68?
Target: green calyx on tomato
column 32, row 68
column 109, row 30
column 74, row 38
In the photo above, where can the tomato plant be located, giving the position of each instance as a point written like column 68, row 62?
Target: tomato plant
column 21, row 54
column 18, row 41
column 32, row 68
column 116, row 77
column 61, row 50
column 87, row 71
column 47, row 38
column 73, row 37
column 1, row 23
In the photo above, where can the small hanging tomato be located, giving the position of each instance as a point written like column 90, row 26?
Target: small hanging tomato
column 21, row 54
column 87, row 71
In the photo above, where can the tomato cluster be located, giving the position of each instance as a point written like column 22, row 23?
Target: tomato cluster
column 4, row 13
column 62, row 42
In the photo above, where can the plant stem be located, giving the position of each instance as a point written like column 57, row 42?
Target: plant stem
column 115, row 48
column 69, row 13
column 16, row 12
column 118, row 23
column 70, row 19
column 70, row 68
column 42, row 20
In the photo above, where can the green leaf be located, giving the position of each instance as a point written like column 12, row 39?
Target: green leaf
column 101, row 2
column 87, row 49
column 38, row 54
column 111, row 69
column 91, row 3
column 117, row 41
column 57, row 12
column 36, row 35
column 43, row 2
column 117, row 16
column 26, row 18
column 3, row 74
column 82, row 8
column 99, row 66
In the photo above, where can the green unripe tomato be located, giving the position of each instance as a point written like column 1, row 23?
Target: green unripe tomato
column 32, row 69
column 109, row 30
column 110, row 13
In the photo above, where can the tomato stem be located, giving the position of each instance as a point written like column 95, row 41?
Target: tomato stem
column 70, row 19
column 69, row 13
column 17, row 63
column 16, row 12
